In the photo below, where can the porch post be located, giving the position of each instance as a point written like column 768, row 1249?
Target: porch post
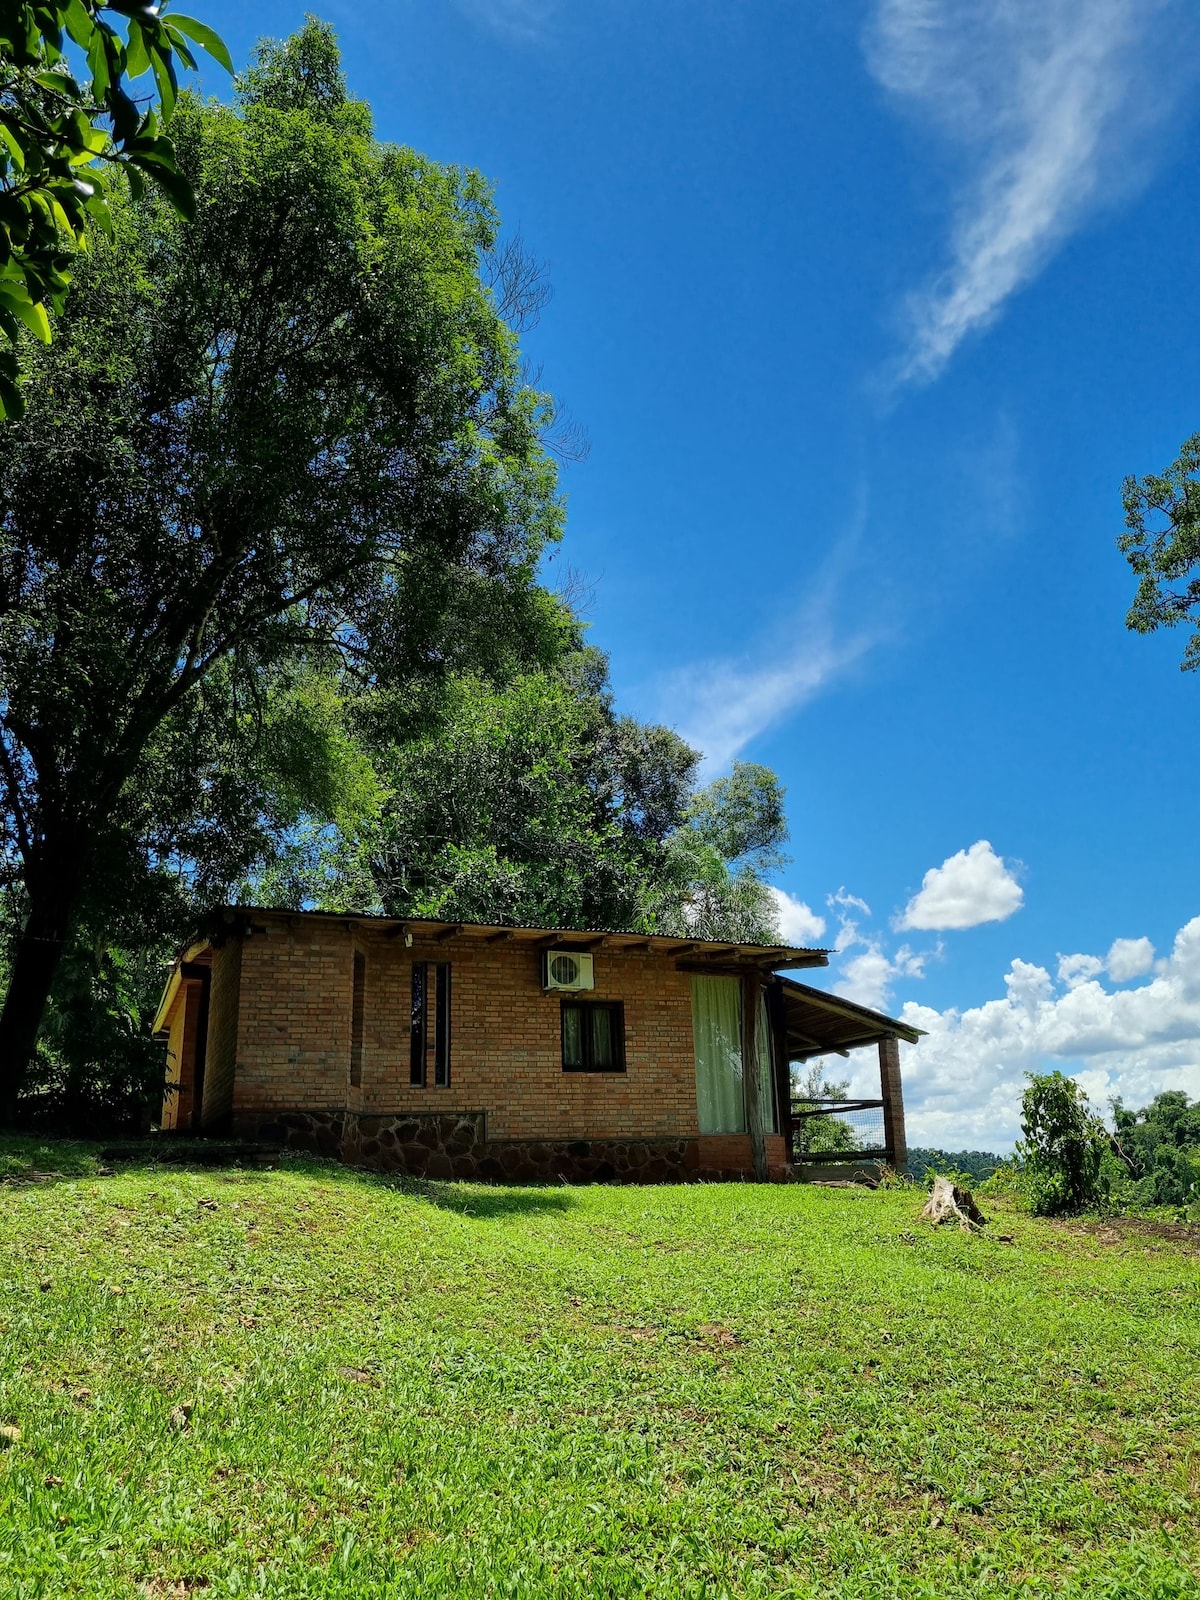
column 892, row 1094
column 782, row 1066
column 751, row 1077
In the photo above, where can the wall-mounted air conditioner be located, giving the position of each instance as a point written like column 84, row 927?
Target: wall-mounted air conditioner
column 567, row 969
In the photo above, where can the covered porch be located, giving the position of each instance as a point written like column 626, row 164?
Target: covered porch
column 823, row 1133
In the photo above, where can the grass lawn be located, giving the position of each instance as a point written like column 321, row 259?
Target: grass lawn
column 312, row 1382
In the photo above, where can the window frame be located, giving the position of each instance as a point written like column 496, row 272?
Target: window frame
column 617, row 1009
column 430, row 1030
column 358, row 1016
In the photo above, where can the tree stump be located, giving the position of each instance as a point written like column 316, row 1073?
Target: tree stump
column 949, row 1203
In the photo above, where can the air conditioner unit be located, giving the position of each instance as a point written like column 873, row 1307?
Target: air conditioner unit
column 567, row 969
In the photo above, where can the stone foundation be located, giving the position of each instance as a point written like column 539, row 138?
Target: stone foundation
column 455, row 1145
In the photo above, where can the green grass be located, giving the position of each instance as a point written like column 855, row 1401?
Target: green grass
column 311, row 1382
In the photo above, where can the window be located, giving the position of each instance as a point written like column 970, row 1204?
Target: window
column 593, row 1036
column 357, row 1007
column 441, row 1031
column 717, row 1033
column 430, row 1024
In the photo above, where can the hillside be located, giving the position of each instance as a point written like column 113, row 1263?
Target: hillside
column 310, row 1382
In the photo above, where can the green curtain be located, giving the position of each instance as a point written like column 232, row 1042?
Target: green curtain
column 717, row 1031
column 766, row 1077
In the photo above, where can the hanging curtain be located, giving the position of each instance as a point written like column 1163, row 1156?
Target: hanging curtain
column 717, row 1031
column 766, row 1075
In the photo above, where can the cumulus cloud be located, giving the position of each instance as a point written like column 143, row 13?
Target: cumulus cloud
column 1129, row 958
column 1047, row 104
column 868, row 975
column 799, row 924
column 1077, row 969
column 963, row 1082
column 1126, row 959
column 969, row 888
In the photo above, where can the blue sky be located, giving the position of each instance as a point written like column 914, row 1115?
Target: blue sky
column 866, row 311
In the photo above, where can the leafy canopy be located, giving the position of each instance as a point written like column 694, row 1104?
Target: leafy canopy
column 55, row 133
column 1162, row 545
column 532, row 802
column 294, row 429
column 1161, row 1146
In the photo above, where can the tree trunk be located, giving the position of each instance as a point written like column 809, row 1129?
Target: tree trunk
column 36, row 959
column 948, row 1203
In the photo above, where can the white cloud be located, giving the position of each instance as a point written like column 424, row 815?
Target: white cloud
column 1129, row 958
column 1074, row 970
column 516, row 19
column 969, row 888
column 962, row 1083
column 798, row 923
column 720, row 706
column 1047, row 104
column 868, row 976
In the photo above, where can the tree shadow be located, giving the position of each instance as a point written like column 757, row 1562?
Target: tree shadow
column 469, row 1197
column 28, row 1162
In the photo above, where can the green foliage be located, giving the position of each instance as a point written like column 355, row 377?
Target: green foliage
column 1161, row 1146
column 531, row 802
column 54, row 131
column 823, row 1135
column 1162, row 545
column 1063, row 1148
column 742, row 816
column 972, row 1167
column 313, row 1382
column 293, row 431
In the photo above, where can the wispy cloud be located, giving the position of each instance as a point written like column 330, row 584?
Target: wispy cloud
column 719, row 706
column 515, row 19
column 1047, row 103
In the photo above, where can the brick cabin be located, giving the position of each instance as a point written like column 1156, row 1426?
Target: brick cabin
column 445, row 1049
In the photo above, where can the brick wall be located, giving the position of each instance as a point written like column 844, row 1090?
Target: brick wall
column 221, row 1053
column 182, row 1041
column 293, row 1041
column 172, row 1102
column 280, row 1054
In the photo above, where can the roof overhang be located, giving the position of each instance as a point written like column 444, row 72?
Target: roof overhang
column 818, row 1023
column 179, row 976
column 690, row 955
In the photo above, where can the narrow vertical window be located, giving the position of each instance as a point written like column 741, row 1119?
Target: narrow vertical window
column 357, row 1006
column 441, row 1032
column 416, row 1069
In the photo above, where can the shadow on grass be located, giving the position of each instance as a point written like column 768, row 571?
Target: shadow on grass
column 27, row 1160
column 468, row 1197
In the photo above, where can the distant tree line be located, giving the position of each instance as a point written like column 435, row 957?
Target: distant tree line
column 1159, row 1150
column 978, row 1165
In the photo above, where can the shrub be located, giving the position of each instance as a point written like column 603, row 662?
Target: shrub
column 1062, row 1153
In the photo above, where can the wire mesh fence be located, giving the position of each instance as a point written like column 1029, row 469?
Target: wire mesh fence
column 826, row 1130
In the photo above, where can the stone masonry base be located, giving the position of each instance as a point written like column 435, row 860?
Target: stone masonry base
column 455, row 1145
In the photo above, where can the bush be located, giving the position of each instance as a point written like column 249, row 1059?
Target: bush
column 1064, row 1146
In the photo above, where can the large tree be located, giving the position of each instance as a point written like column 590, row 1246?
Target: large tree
column 295, row 425
column 1162, row 545
column 531, row 801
